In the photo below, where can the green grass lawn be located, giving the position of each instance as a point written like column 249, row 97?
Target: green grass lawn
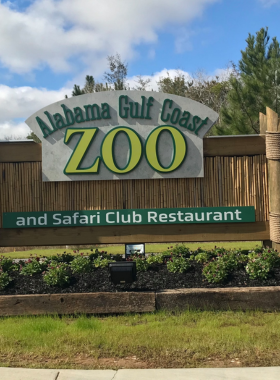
column 150, row 248
column 155, row 340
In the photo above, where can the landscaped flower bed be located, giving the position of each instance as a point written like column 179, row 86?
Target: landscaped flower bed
column 176, row 268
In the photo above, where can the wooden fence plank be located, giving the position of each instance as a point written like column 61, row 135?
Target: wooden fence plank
column 246, row 145
column 134, row 234
column 213, row 146
column 20, row 151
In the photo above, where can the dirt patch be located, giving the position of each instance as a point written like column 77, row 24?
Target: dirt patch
column 132, row 362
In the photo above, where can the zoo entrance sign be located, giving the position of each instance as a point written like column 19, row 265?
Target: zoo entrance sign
column 122, row 135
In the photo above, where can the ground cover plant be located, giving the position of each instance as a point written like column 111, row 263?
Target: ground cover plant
column 4, row 280
column 206, row 339
column 176, row 267
column 57, row 274
column 33, row 266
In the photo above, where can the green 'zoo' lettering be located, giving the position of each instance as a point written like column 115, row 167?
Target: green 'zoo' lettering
column 73, row 166
column 179, row 149
column 135, row 150
column 86, row 139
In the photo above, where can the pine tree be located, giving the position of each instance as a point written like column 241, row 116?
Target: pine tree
column 77, row 90
column 89, row 85
column 254, row 85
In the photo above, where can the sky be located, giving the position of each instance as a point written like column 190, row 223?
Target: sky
column 47, row 46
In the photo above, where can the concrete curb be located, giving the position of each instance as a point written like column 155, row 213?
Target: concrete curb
column 260, row 373
column 28, row 374
column 270, row 373
column 262, row 298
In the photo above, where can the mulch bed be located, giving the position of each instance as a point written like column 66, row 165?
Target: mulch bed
column 156, row 278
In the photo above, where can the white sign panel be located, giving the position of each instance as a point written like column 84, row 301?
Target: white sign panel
column 122, row 135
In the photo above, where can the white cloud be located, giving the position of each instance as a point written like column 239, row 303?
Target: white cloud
column 269, row 3
column 132, row 81
column 50, row 32
column 13, row 131
column 20, row 103
column 222, row 74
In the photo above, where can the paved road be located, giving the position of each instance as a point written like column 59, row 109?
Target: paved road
column 269, row 373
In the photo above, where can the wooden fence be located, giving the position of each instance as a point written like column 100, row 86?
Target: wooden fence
column 235, row 175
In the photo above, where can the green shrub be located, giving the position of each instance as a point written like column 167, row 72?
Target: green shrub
column 258, row 269
column 215, row 271
column 202, row 257
column 93, row 256
column 7, row 264
column 33, row 266
column 272, row 257
column 4, row 280
column 108, row 257
column 197, row 251
column 231, row 260
column 57, row 274
column 67, row 257
column 261, row 262
column 101, row 263
column 253, row 255
column 178, row 250
column 141, row 264
column 218, row 251
column 104, row 255
column 63, row 258
column 258, row 250
column 81, row 265
column 178, row 265
column 117, row 257
column 155, row 259
column 99, row 253
column 242, row 258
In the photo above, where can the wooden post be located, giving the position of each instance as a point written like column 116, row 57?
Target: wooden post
column 263, row 124
column 263, row 127
column 273, row 178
